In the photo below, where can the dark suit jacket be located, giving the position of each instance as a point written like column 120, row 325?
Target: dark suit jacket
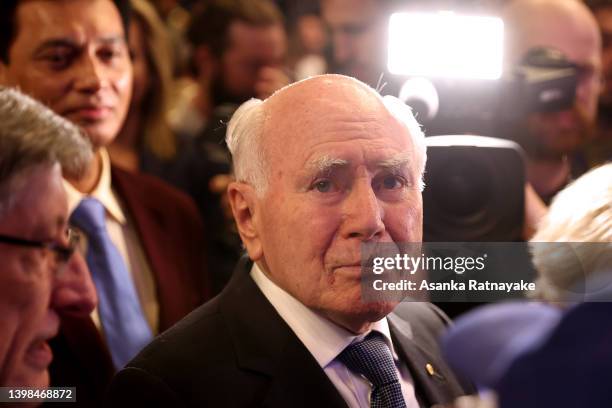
column 236, row 351
column 171, row 233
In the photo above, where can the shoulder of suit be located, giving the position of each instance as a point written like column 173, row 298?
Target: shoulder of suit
column 190, row 341
column 152, row 189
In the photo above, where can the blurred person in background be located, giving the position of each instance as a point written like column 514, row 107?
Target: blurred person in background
column 357, row 31
column 581, row 214
column 552, row 140
column 572, row 254
column 239, row 48
column 238, row 51
column 600, row 149
column 144, row 240
column 307, row 46
column 146, row 142
column 41, row 276
column 176, row 19
column 307, row 37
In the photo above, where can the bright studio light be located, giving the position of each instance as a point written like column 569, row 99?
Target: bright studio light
column 445, row 45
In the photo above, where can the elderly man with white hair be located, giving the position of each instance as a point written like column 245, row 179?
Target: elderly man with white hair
column 322, row 167
column 42, row 278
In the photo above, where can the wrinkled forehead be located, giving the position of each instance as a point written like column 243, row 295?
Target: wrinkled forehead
column 76, row 19
column 332, row 119
column 40, row 206
column 321, row 95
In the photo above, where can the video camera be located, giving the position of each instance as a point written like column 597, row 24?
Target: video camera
column 452, row 66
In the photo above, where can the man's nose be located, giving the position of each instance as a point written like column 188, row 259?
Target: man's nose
column 74, row 292
column 90, row 75
column 363, row 214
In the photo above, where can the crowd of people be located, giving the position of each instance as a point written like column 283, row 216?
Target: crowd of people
column 186, row 189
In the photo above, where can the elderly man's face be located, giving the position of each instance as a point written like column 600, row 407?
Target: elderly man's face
column 32, row 293
column 342, row 173
column 71, row 55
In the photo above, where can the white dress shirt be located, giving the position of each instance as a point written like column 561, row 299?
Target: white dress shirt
column 325, row 340
column 123, row 234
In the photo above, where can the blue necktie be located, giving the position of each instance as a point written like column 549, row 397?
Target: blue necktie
column 372, row 358
column 125, row 326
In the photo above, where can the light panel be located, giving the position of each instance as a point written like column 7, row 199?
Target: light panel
column 446, row 45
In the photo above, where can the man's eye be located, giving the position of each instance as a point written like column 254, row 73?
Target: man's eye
column 108, row 54
column 58, row 60
column 323, row 186
column 393, row 182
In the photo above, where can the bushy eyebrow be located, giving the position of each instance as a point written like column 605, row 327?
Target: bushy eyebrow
column 326, row 164
column 396, row 164
column 69, row 42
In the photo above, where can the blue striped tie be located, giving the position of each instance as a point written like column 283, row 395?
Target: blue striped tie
column 125, row 327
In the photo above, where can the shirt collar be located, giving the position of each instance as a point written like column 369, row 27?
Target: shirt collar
column 102, row 192
column 323, row 338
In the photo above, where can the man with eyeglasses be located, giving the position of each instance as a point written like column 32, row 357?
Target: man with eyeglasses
column 144, row 240
column 41, row 276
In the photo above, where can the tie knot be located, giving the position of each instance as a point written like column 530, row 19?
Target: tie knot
column 89, row 216
column 371, row 358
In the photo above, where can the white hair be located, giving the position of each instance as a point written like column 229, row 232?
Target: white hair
column 243, row 138
column 580, row 222
column 32, row 135
column 245, row 132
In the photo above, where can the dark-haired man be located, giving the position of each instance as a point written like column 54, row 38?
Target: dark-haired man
column 144, row 239
column 239, row 47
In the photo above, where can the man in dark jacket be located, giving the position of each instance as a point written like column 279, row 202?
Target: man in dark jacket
column 322, row 167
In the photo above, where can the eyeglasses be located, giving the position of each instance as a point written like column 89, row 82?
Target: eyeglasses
column 62, row 252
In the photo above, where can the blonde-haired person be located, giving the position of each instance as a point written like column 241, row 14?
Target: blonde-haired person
column 574, row 240
column 146, row 142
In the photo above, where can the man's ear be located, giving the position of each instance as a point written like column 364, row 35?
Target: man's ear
column 205, row 63
column 246, row 210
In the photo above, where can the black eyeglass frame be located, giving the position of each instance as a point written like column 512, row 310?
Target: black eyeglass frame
column 62, row 252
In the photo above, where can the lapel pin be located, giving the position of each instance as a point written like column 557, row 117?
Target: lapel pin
column 432, row 371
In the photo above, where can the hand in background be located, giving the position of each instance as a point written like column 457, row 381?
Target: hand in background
column 270, row 79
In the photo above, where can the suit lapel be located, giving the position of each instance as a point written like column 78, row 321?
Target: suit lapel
column 267, row 346
column 433, row 381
